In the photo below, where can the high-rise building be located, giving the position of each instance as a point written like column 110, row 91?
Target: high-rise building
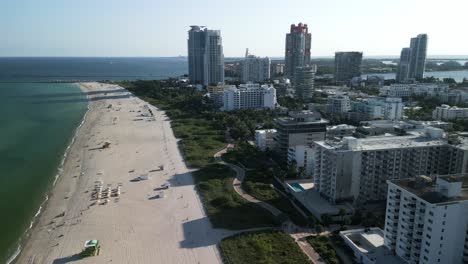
column 404, row 65
column 304, row 78
column 413, row 60
column 356, row 169
column 298, row 42
column 347, row 66
column 255, row 69
column 214, row 58
column 426, row 219
column 196, row 54
column 205, row 56
column 300, row 128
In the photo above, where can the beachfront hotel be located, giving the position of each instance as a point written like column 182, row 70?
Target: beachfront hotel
column 426, row 219
column 356, row 170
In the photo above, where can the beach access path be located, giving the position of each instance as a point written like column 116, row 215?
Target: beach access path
column 135, row 227
column 299, row 234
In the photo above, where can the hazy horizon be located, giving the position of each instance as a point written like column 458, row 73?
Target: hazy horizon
column 156, row 28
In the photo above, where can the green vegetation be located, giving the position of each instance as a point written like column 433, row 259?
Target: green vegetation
column 259, row 179
column 445, row 66
column 241, row 124
column 192, row 118
column 225, row 208
column 370, row 90
column 262, row 247
column 324, row 248
column 291, row 103
column 460, row 125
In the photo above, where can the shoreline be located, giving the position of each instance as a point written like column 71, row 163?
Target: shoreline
column 68, row 219
column 23, row 239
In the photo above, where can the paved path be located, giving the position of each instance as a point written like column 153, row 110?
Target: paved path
column 298, row 233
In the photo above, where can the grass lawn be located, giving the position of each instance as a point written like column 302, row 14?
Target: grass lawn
column 200, row 139
column 262, row 247
column 262, row 190
column 259, row 178
column 323, row 246
column 225, row 208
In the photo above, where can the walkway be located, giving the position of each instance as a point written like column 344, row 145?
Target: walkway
column 298, row 233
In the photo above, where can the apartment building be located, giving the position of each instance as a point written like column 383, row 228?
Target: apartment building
column 426, row 219
column 299, row 128
column 356, row 170
column 216, row 92
column 418, row 89
column 249, row 96
column 338, row 103
column 445, row 112
column 255, row 69
column 390, row 108
column 265, row 139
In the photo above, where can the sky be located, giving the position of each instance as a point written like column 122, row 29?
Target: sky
column 158, row 28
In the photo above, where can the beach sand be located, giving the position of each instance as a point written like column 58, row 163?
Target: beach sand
column 135, row 227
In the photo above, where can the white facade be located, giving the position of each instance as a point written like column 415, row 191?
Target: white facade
column 339, row 104
column 255, row 69
column 419, row 89
column 426, row 220
column 393, row 108
column 304, row 157
column 355, row 170
column 390, row 108
column 445, row 112
column 368, row 246
column 249, row 96
column 265, row 139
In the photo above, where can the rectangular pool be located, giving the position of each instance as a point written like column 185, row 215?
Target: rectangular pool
column 296, row 187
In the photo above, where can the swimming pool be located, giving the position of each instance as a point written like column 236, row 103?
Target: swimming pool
column 296, row 187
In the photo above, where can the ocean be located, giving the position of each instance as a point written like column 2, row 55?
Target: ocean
column 36, row 128
column 37, row 124
column 90, row 69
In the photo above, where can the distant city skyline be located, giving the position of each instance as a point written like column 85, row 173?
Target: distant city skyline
column 154, row 28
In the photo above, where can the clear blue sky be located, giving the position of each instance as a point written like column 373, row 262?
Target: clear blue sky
column 159, row 28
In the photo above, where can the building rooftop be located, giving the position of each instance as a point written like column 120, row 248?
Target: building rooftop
column 264, row 131
column 369, row 242
column 302, row 117
column 414, row 139
column 426, row 188
column 341, row 126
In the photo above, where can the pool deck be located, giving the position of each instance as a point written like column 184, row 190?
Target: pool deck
column 312, row 200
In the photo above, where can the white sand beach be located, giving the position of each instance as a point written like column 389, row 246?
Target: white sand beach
column 135, row 227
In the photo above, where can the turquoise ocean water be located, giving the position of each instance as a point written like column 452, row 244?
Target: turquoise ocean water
column 37, row 123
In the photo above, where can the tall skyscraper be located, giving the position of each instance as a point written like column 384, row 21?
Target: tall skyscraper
column 304, row 78
column 418, row 56
column 298, row 43
column 196, row 54
column 255, row 69
column 205, row 56
column 413, row 60
column 347, row 66
column 404, row 65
